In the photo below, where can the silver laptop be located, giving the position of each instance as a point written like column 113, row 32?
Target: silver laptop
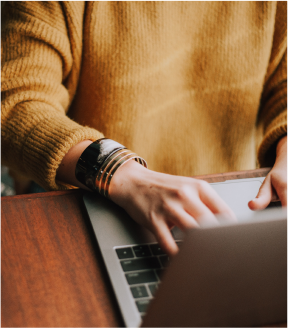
column 237, row 279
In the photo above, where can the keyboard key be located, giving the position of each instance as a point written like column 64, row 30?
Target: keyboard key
column 156, row 249
column 141, row 277
column 124, row 253
column 142, row 305
column 139, row 291
column 153, row 288
column 142, row 251
column 140, row 264
column 165, row 261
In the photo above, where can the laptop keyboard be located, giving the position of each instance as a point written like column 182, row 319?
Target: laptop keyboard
column 143, row 266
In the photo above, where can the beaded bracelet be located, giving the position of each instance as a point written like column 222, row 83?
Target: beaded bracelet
column 99, row 162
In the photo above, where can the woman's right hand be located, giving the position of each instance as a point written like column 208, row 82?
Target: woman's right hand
column 155, row 200
column 160, row 201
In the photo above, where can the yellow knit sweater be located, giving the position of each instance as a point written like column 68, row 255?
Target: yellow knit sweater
column 192, row 87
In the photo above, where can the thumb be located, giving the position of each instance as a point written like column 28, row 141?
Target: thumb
column 264, row 196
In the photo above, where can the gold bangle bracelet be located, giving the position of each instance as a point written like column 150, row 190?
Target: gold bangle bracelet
column 114, row 164
column 110, row 166
column 120, row 163
column 107, row 165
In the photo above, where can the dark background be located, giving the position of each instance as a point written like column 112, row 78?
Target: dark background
column 7, row 186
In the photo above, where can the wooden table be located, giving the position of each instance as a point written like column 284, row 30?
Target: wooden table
column 52, row 271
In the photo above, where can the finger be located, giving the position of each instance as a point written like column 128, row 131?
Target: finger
column 182, row 219
column 284, row 197
column 281, row 191
column 200, row 212
column 217, row 205
column 165, row 238
column 275, row 197
column 264, row 195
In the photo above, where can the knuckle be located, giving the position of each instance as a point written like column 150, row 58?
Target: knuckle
column 283, row 184
column 169, row 209
column 183, row 192
column 203, row 185
column 279, row 181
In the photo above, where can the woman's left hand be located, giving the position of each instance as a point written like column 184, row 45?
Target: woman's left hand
column 274, row 186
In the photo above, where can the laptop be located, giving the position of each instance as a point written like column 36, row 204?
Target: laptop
column 211, row 282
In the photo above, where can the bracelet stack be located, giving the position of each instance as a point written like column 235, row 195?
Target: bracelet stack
column 99, row 162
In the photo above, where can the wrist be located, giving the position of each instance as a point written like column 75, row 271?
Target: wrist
column 66, row 170
column 128, row 176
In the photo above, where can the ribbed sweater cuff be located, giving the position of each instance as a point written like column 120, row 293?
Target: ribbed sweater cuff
column 45, row 148
column 274, row 132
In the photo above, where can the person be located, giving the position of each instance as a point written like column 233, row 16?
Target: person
column 192, row 87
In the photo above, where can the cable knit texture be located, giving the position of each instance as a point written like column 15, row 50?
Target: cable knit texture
column 192, row 87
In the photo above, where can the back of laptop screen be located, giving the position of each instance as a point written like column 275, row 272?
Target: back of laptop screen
column 226, row 276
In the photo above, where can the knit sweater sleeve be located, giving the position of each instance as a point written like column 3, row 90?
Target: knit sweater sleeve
column 272, row 118
column 41, row 58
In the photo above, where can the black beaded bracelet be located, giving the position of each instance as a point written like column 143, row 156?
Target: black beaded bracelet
column 92, row 158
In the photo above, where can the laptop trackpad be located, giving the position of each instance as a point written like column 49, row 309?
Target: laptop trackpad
column 236, row 194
